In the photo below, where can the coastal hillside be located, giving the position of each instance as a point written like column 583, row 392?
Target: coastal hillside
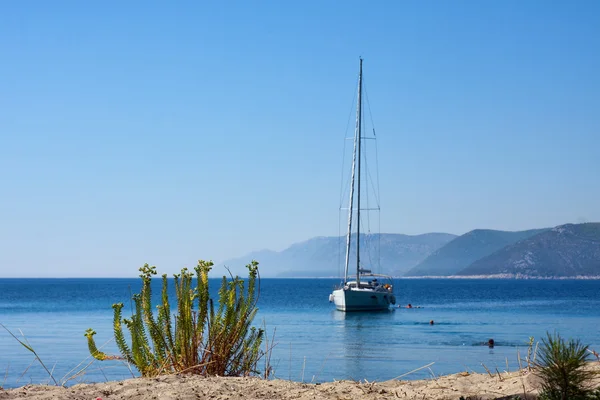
column 565, row 251
column 323, row 256
column 464, row 250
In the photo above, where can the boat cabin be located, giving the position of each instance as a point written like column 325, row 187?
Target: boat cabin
column 373, row 284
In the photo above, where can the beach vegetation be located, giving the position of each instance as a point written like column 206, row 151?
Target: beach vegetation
column 562, row 368
column 199, row 337
column 25, row 343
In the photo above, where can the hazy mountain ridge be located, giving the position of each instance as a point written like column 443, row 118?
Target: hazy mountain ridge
column 323, row 256
column 568, row 250
column 565, row 251
column 466, row 249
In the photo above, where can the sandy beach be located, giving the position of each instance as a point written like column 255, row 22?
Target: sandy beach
column 503, row 385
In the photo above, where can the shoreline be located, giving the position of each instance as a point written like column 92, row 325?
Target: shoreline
column 506, row 276
column 477, row 277
column 497, row 385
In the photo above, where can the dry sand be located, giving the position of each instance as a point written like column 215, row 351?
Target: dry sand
column 186, row 387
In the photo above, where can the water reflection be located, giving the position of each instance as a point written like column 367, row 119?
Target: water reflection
column 364, row 339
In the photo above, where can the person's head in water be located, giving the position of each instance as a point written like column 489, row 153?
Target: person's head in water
column 491, row 343
column 431, row 322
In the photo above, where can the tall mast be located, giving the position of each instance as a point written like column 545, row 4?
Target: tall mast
column 358, row 134
column 351, row 202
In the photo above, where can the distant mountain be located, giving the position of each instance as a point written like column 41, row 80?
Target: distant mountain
column 565, row 251
column 464, row 250
column 323, row 256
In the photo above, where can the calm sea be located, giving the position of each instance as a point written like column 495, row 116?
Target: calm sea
column 313, row 341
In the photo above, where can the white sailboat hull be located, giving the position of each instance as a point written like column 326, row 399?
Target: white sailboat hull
column 353, row 299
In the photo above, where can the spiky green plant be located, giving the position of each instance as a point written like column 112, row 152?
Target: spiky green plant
column 561, row 366
column 529, row 351
column 197, row 338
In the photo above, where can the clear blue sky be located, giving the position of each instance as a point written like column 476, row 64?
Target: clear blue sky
column 164, row 132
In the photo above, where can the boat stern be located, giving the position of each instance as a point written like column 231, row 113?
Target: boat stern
column 338, row 298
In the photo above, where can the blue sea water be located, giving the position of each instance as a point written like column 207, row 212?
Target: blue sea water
column 313, row 341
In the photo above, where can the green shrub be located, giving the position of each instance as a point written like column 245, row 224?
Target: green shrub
column 197, row 339
column 561, row 366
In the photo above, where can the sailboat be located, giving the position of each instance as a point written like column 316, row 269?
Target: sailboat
column 365, row 290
